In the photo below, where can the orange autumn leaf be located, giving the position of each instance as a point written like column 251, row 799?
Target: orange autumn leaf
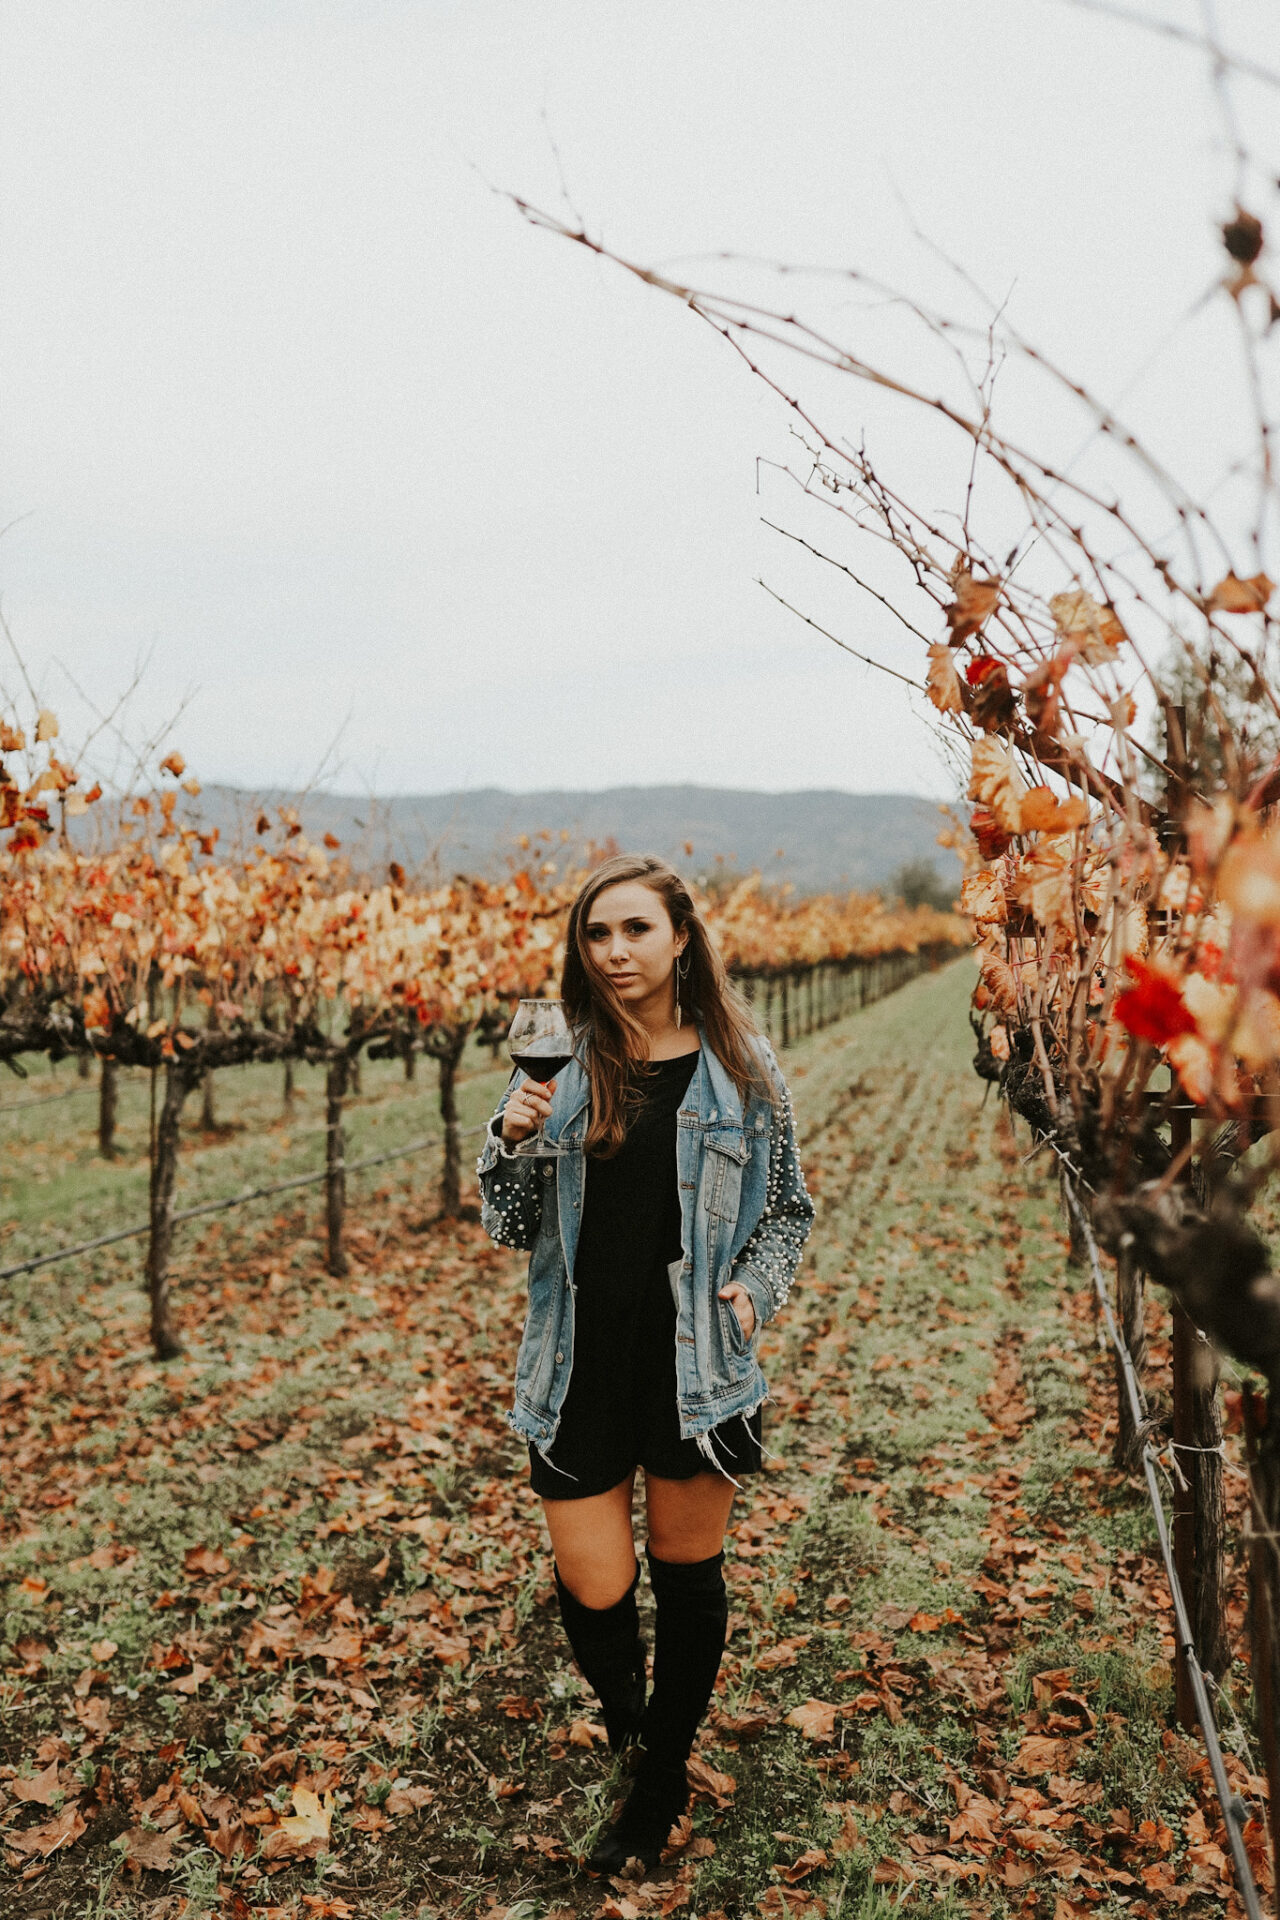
column 973, row 604
column 1041, row 811
column 206, row 1560
column 61, row 1831
column 982, row 898
column 995, row 780
column 307, row 1828
column 816, row 1719
column 41, row 1789
column 1233, row 595
column 1092, row 631
column 942, row 682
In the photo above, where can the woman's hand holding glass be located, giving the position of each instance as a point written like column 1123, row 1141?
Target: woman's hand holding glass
column 526, row 1110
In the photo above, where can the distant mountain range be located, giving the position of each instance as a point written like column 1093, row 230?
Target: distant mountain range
column 817, row 840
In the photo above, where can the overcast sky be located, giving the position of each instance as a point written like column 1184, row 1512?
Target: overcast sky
column 297, row 407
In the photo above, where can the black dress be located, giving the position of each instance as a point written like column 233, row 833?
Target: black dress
column 620, row 1410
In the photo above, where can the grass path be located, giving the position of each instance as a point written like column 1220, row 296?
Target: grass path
column 309, row 1551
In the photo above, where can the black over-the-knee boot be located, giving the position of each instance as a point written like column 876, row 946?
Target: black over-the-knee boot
column 607, row 1646
column 692, row 1614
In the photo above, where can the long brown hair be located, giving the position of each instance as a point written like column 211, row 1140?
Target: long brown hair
column 615, row 1039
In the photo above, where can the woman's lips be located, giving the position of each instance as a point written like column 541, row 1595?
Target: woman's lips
column 621, row 979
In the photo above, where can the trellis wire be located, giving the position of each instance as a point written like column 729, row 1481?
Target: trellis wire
column 237, row 1200
column 1232, row 1806
column 44, row 1099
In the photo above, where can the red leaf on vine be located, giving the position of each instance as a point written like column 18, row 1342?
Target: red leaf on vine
column 1153, row 1008
column 989, row 834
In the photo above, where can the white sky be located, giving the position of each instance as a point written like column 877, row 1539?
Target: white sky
column 293, row 402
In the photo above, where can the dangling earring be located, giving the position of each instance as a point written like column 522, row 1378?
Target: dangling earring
column 681, row 974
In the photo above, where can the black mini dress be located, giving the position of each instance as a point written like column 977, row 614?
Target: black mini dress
column 620, row 1410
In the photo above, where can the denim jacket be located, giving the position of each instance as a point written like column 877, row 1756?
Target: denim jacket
column 745, row 1216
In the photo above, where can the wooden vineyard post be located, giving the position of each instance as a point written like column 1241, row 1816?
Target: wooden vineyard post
column 786, row 1010
column 288, row 1091
column 1184, row 1509
column 1212, row 1646
column 1264, row 1593
column 335, row 1176
column 1199, row 1500
column 1199, row 1509
column 107, row 1106
column 164, row 1174
column 1077, row 1251
column 1130, row 1305
column 208, row 1110
column 453, row 1040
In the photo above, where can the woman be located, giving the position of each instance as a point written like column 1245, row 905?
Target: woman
column 663, row 1235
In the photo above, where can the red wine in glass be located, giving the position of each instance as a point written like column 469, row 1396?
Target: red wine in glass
column 541, row 1066
column 541, row 1045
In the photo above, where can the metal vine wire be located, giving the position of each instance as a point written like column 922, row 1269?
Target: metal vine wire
column 1233, row 1812
column 237, row 1200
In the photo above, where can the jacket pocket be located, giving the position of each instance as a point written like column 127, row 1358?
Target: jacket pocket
column 735, row 1340
column 724, row 1155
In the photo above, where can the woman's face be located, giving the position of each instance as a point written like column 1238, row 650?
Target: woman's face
column 630, row 939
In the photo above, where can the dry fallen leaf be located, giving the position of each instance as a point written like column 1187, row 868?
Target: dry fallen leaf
column 191, row 1682
column 46, row 1839
column 205, row 1560
column 306, row 1829
column 808, row 1863
column 41, row 1788
column 582, row 1733
column 816, row 1719
column 146, row 1849
column 706, row 1779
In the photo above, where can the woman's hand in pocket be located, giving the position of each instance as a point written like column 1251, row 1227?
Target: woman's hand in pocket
column 743, row 1305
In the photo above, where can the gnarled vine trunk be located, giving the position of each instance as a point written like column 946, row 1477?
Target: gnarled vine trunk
column 335, row 1175
column 164, row 1175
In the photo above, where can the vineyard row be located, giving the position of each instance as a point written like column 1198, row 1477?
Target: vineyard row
column 787, row 1004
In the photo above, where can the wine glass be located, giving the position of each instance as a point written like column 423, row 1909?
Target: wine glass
column 541, row 1045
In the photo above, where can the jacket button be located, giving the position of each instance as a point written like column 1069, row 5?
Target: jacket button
column 559, row 1359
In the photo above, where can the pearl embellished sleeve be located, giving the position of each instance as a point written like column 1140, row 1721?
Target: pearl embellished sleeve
column 510, row 1190
column 767, row 1263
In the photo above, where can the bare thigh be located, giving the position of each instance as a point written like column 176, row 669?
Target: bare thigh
column 593, row 1544
column 687, row 1518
